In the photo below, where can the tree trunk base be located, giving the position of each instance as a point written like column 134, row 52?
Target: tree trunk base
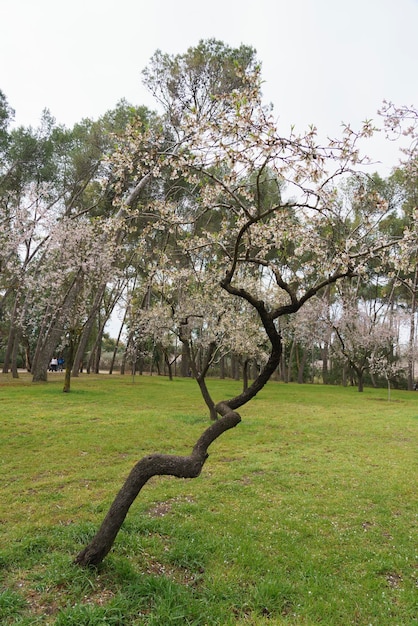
column 146, row 468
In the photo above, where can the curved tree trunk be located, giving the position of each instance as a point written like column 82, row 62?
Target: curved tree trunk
column 200, row 374
column 191, row 466
column 179, row 466
column 207, row 397
column 149, row 466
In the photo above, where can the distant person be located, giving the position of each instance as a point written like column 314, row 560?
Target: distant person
column 54, row 364
column 60, row 363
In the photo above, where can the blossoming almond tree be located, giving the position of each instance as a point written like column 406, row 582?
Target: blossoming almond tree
column 298, row 242
column 60, row 284
column 52, row 179
column 363, row 335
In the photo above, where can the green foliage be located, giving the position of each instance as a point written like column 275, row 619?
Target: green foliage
column 198, row 78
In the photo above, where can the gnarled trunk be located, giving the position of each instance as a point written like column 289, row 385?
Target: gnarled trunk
column 149, row 466
column 170, row 465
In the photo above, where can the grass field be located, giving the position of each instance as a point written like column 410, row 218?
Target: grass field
column 304, row 514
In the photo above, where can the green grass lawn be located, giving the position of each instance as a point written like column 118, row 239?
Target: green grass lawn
column 306, row 513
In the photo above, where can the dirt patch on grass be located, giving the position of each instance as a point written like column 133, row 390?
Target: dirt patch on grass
column 393, row 580
column 161, row 509
column 50, row 601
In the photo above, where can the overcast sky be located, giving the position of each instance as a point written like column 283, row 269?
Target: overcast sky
column 324, row 61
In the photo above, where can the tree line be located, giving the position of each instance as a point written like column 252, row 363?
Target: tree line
column 164, row 216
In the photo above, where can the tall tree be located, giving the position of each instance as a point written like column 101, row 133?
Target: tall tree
column 218, row 153
column 197, row 81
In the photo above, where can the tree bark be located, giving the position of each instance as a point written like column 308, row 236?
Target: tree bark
column 70, row 360
column 200, row 375
column 15, row 353
column 149, row 466
column 290, row 363
column 245, row 375
column 40, row 371
column 324, row 356
column 235, row 373
column 222, row 368
column 282, row 368
column 96, row 351
column 301, row 366
column 207, row 397
column 52, row 334
column 87, row 330
column 185, row 362
column 360, row 376
column 28, row 360
column 168, row 364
